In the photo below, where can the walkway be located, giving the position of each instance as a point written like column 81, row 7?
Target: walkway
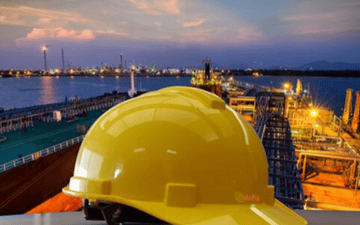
column 41, row 136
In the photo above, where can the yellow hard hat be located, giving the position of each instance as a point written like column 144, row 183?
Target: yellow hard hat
column 181, row 155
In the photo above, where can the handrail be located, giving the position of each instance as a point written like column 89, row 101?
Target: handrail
column 31, row 157
column 99, row 104
column 350, row 147
column 15, row 127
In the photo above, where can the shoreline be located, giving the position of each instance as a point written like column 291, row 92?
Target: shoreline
column 275, row 73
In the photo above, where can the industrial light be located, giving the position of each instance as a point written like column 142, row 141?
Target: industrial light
column 286, row 85
column 314, row 113
column 44, row 48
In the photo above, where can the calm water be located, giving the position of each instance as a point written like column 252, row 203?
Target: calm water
column 21, row 92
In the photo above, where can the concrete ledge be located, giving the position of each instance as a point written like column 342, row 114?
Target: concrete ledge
column 76, row 218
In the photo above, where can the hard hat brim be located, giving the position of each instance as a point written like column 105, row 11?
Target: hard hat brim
column 258, row 213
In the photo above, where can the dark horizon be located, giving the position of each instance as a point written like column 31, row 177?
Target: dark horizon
column 319, row 65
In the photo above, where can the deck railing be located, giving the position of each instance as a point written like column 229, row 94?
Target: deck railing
column 28, row 158
column 89, row 106
column 14, row 127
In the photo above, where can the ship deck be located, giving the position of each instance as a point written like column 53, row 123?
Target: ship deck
column 42, row 135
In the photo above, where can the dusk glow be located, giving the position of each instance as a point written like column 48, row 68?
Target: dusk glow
column 178, row 33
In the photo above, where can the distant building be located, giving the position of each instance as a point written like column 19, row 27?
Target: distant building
column 174, row 71
column 188, row 71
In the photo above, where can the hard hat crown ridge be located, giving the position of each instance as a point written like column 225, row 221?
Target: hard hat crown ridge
column 181, row 155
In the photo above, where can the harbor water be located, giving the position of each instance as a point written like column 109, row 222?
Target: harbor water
column 23, row 92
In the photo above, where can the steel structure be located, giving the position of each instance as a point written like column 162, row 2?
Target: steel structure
column 283, row 171
column 121, row 61
column 348, row 106
column 45, row 64
column 355, row 119
column 63, row 59
column 274, row 130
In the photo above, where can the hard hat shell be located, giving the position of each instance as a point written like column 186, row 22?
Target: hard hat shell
column 181, row 155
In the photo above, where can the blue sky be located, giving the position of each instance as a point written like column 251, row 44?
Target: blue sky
column 179, row 32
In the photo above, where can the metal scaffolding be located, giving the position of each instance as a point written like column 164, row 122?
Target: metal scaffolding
column 274, row 130
column 283, row 171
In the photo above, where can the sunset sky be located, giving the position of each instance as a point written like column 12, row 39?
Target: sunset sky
column 178, row 33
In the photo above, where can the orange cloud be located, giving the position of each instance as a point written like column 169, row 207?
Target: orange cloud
column 36, row 33
column 63, row 33
column 158, row 23
column 111, row 32
column 85, row 35
column 30, row 16
column 195, row 23
column 157, row 7
column 58, row 33
column 4, row 19
column 44, row 21
column 170, row 6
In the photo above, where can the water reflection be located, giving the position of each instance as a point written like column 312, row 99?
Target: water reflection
column 47, row 94
column 51, row 89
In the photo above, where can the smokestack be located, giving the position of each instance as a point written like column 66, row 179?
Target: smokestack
column 45, row 63
column 121, row 61
column 63, row 59
column 207, row 70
